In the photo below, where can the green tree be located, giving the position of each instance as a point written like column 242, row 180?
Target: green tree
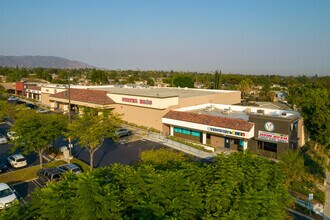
column 150, row 82
column 313, row 103
column 245, row 87
column 217, row 80
column 92, row 128
column 35, row 131
column 235, row 186
column 183, row 81
column 292, row 166
column 266, row 94
column 162, row 158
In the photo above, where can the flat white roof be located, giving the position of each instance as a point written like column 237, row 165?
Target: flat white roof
column 164, row 92
column 237, row 111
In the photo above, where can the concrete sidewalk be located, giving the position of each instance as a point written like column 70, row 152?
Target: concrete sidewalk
column 157, row 137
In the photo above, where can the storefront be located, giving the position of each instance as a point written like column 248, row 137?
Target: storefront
column 268, row 132
column 208, row 130
column 142, row 106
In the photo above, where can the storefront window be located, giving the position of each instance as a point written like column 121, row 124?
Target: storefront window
column 270, row 147
column 177, row 130
column 196, row 133
column 185, row 131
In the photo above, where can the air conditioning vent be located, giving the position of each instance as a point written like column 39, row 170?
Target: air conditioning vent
column 261, row 111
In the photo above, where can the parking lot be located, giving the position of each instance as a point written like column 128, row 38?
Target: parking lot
column 5, row 151
column 125, row 151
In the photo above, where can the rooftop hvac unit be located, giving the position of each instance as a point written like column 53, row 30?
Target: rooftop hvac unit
column 283, row 113
column 261, row 111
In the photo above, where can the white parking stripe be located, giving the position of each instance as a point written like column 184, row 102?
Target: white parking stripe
column 37, row 184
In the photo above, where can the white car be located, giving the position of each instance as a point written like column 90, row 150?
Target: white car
column 17, row 160
column 12, row 98
column 3, row 139
column 11, row 135
column 43, row 111
column 7, row 196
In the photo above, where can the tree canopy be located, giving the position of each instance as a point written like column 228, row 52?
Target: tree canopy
column 92, row 127
column 35, row 131
column 313, row 103
column 183, row 81
column 236, row 186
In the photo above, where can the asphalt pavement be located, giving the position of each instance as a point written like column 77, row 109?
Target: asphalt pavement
column 125, row 152
column 5, row 151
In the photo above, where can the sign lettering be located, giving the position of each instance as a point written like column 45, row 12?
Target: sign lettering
column 283, row 138
column 224, row 131
column 137, row 101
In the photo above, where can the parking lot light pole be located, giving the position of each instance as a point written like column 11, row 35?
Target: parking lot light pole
column 70, row 120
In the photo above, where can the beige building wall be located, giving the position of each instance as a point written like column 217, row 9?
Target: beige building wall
column 45, row 98
column 47, row 91
column 301, row 132
column 141, row 116
column 220, row 98
column 153, row 117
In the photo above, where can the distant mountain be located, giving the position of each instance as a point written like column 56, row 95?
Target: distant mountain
column 42, row 61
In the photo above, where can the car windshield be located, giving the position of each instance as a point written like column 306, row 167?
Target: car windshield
column 20, row 160
column 1, row 136
column 56, row 176
column 5, row 193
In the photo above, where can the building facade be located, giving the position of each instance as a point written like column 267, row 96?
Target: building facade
column 267, row 132
column 141, row 106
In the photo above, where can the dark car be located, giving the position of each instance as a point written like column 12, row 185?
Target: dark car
column 49, row 174
column 2, row 166
column 31, row 106
column 123, row 132
column 69, row 167
column 20, row 102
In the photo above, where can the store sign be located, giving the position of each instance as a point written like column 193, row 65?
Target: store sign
column 269, row 126
column 225, row 131
column 137, row 101
column 283, row 138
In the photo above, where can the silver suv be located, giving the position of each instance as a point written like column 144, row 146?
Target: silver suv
column 123, row 132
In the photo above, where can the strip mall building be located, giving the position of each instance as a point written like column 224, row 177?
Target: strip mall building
column 141, row 106
column 209, row 117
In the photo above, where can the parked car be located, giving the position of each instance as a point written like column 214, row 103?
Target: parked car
column 69, row 167
column 11, row 135
column 31, row 106
column 12, row 98
column 20, row 102
column 2, row 166
column 17, row 160
column 3, row 139
column 49, row 174
column 43, row 111
column 7, row 195
column 123, row 132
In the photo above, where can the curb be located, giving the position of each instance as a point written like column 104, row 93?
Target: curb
column 15, row 184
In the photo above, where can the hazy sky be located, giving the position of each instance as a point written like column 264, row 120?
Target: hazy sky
column 247, row 36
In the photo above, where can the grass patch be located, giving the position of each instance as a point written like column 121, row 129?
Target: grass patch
column 25, row 174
